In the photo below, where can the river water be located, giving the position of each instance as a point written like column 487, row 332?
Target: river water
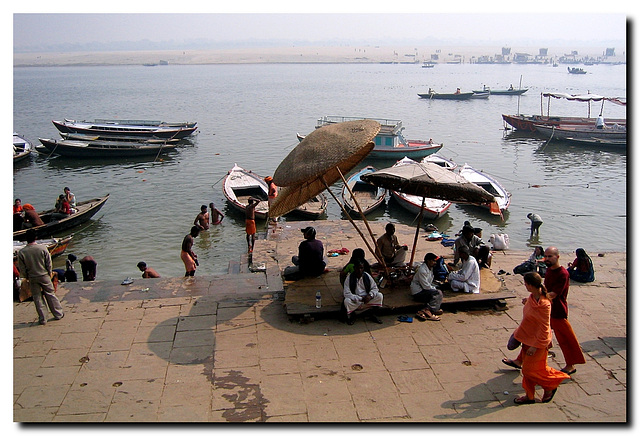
column 250, row 114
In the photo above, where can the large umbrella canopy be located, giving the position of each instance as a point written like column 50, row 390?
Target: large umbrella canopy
column 320, row 158
column 429, row 180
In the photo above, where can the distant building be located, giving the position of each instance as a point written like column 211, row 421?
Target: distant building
column 543, row 52
column 610, row 52
column 506, row 51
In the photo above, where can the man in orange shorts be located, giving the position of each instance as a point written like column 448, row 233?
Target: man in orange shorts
column 250, row 223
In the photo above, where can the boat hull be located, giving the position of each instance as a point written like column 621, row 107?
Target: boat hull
column 55, row 246
column 528, row 123
column 414, row 150
column 368, row 196
column 437, row 96
column 433, row 208
column 312, row 209
column 103, row 149
column 86, row 210
column 583, row 133
column 119, row 130
column 240, row 184
column 489, row 184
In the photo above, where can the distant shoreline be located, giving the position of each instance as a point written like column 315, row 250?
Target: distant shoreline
column 312, row 55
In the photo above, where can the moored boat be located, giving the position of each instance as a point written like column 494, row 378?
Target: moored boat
column 480, row 94
column 390, row 143
column 55, row 246
column 369, row 197
column 119, row 138
column 22, row 147
column 240, row 184
column 119, row 129
column 491, row 185
column 528, row 122
column 105, row 149
column 441, row 161
column 615, row 136
column 85, row 210
column 574, row 70
column 433, row 208
column 312, row 209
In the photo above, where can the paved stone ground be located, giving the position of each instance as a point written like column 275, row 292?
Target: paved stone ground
column 222, row 349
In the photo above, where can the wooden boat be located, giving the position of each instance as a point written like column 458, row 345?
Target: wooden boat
column 489, row 184
column 85, row 210
column 240, row 184
column 104, row 149
column 433, row 208
column 508, row 91
column 22, row 148
column 528, row 122
column 428, row 64
column 312, row 209
column 122, row 138
column 118, row 129
column 55, row 246
column 432, row 95
column 588, row 134
column 574, row 70
column 480, row 94
column 390, row 143
column 442, row 161
column 368, row 196
column 149, row 123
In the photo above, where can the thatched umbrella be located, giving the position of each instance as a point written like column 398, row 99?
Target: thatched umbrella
column 321, row 159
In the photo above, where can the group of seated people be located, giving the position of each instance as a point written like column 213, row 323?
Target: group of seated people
column 25, row 216
column 360, row 290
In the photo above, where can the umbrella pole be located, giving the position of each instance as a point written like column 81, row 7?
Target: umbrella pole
column 364, row 218
column 415, row 239
column 381, row 261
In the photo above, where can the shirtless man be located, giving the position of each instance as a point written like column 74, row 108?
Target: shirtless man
column 189, row 258
column 147, row 272
column 216, row 215
column 202, row 220
column 250, row 223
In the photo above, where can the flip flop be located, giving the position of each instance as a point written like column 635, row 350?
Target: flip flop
column 550, row 397
column 511, row 363
column 568, row 372
column 422, row 315
column 405, row 318
column 523, row 400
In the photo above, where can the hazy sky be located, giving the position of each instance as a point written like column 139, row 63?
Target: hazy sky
column 37, row 29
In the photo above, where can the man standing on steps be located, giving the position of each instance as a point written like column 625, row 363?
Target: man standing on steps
column 34, row 263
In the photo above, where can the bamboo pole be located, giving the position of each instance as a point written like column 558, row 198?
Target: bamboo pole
column 415, row 239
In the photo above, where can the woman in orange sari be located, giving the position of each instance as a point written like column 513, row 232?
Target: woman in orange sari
column 534, row 332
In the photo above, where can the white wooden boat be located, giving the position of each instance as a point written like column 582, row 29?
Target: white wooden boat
column 55, row 246
column 448, row 164
column 368, row 196
column 312, row 209
column 240, row 184
column 22, row 147
column 489, row 184
column 433, row 208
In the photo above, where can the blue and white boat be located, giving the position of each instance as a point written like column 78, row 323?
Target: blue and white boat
column 369, row 197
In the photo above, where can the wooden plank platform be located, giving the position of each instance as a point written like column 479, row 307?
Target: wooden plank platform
column 275, row 247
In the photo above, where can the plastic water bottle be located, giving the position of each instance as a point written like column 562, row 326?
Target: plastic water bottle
column 318, row 300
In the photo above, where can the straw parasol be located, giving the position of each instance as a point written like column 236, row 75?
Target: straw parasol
column 319, row 160
column 429, row 180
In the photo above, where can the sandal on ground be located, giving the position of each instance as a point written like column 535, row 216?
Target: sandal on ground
column 438, row 312
column 425, row 315
column 548, row 397
column 511, row 363
column 569, row 372
column 523, row 400
column 422, row 316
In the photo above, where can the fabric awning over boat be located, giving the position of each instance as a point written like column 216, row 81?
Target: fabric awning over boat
column 585, row 97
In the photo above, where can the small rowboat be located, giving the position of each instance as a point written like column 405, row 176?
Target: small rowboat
column 240, row 184
column 85, row 210
column 104, row 149
column 441, row 161
column 119, row 129
column 454, row 96
column 22, row 148
column 489, row 184
column 369, row 197
column 433, row 207
column 312, row 209
column 55, row 246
